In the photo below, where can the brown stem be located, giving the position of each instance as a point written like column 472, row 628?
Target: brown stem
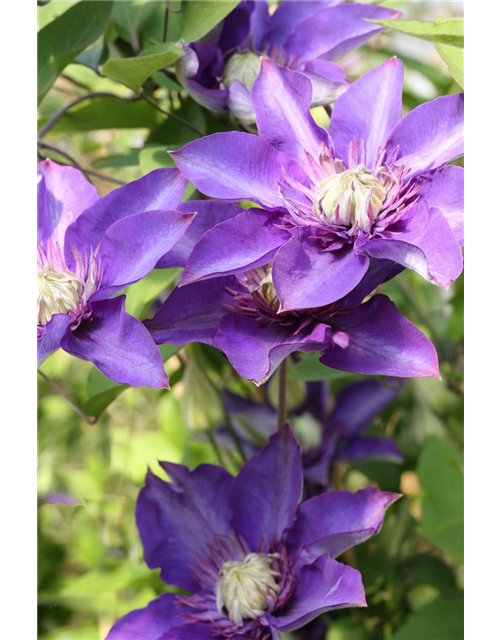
column 169, row 114
column 89, row 96
column 87, row 172
column 63, row 394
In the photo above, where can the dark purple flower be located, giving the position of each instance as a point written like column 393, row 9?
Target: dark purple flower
column 325, row 435
column 240, row 316
column 91, row 248
column 303, row 35
column 254, row 561
column 373, row 186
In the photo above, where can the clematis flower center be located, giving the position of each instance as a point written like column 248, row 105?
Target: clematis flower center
column 352, row 198
column 246, row 589
column 58, row 292
column 244, row 67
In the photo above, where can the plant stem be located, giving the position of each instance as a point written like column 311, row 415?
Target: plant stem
column 282, row 371
column 169, row 114
column 90, row 172
column 63, row 394
column 216, row 448
column 89, row 96
column 165, row 24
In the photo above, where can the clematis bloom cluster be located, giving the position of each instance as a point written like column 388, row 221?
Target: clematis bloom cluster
column 254, row 561
column 304, row 35
column 374, row 186
column 240, row 315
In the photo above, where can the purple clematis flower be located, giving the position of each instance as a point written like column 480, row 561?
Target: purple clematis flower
column 325, row 435
column 303, row 35
column 255, row 562
column 240, row 316
column 373, row 186
column 91, row 248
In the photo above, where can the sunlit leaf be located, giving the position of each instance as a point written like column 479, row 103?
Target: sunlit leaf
column 445, row 31
column 198, row 18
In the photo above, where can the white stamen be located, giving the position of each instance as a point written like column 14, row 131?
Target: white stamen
column 245, row 588
column 352, row 198
column 58, row 292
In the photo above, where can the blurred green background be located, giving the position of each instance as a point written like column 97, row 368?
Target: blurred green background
column 91, row 568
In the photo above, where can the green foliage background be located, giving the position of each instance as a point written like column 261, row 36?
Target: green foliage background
column 91, row 569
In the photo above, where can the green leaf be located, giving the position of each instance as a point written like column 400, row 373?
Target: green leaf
column 443, row 31
column 133, row 72
column 94, row 55
column 109, row 113
column 101, row 392
column 443, row 620
column 345, row 629
column 441, row 476
column 129, row 17
column 198, row 18
column 454, row 58
column 68, row 35
column 142, row 293
column 310, row 369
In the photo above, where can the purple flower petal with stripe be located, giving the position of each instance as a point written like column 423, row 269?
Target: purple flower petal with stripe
column 224, row 538
column 89, row 249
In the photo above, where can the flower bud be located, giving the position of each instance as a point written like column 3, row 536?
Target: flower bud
column 244, row 67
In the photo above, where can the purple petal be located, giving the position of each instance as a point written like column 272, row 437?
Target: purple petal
column 213, row 99
column 288, row 16
column 160, row 189
column 119, row 345
column 236, row 166
column 359, row 403
column 52, row 335
column 281, row 99
column 336, row 30
column 379, row 271
column 192, row 631
column 208, row 214
column 267, row 491
column 178, row 521
column 62, row 498
column 376, row 339
column 322, row 586
column 431, row 135
column 424, row 243
column 259, row 23
column 444, row 189
column 242, row 243
column 240, row 104
column 63, row 194
column 338, row 520
column 328, row 81
column 191, row 313
column 255, row 349
column 369, row 110
column 368, row 448
column 148, row 623
column 198, row 70
column 132, row 246
column 306, row 277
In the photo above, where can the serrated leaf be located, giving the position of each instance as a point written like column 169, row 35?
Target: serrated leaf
column 62, row 40
column 444, row 31
column 454, row 58
column 198, row 18
column 133, row 72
